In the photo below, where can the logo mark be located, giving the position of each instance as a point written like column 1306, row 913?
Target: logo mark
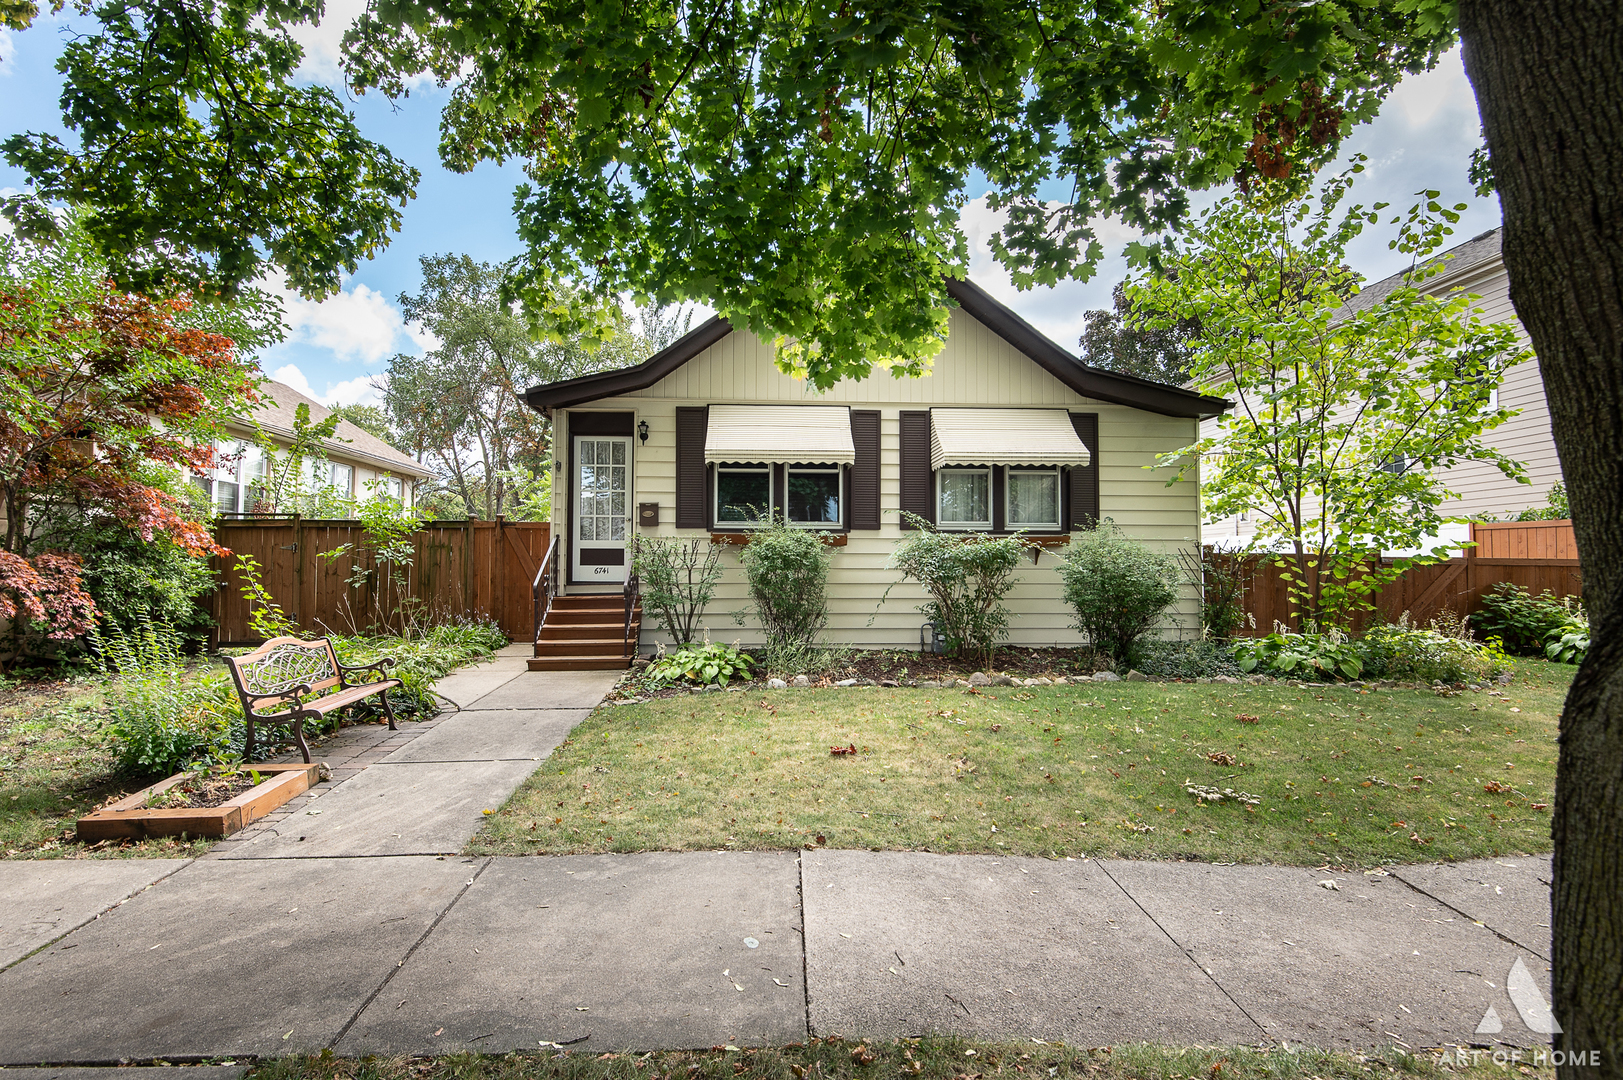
column 1524, row 994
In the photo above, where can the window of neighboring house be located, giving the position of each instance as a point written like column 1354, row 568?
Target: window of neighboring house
column 230, row 468
column 393, row 487
column 1397, row 465
column 743, row 494
column 1031, row 499
column 335, row 475
column 815, row 494
column 964, row 498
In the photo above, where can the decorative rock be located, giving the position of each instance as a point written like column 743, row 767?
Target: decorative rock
column 1040, row 681
column 979, row 679
column 962, row 684
column 889, row 682
column 776, row 684
column 1257, row 680
column 712, row 688
column 1224, row 679
column 1106, row 676
column 801, row 681
column 1080, row 680
column 1002, row 680
column 1137, row 676
column 864, row 682
column 1503, row 679
column 929, row 684
column 846, row 682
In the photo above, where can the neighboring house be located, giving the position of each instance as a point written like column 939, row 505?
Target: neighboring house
column 353, row 460
column 1474, row 267
column 1009, row 430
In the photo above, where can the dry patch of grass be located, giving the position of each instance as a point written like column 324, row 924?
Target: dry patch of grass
column 1338, row 775
column 55, row 767
column 934, row 1058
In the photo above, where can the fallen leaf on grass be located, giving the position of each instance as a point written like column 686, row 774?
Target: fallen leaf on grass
column 841, row 751
column 1246, row 718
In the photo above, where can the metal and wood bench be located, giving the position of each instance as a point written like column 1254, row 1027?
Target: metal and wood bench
column 284, row 671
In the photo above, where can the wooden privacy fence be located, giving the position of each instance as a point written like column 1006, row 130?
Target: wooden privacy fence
column 459, row 568
column 1537, row 555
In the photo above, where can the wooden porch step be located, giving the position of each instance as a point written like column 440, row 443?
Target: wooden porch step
column 580, row 616
column 579, row 663
column 581, row 646
column 576, row 631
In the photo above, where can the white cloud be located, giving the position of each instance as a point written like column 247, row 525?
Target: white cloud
column 8, row 51
column 356, row 391
column 323, row 42
column 358, row 323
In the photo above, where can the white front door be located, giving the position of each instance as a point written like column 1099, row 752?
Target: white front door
column 602, row 518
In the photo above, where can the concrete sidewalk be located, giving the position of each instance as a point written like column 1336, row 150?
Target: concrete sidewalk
column 347, row 922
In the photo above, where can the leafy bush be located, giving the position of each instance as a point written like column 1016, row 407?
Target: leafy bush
column 130, row 578
column 1521, row 620
column 788, row 575
column 1220, row 580
column 1200, row 658
column 1401, row 651
column 420, row 661
column 1301, row 656
column 678, row 580
column 967, row 578
column 1569, row 642
column 1118, row 588
column 704, row 664
column 164, row 712
column 1555, row 509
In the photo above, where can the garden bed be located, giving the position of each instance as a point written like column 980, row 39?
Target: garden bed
column 207, row 813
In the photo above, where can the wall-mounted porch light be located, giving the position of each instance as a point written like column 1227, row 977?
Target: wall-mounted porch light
column 642, row 431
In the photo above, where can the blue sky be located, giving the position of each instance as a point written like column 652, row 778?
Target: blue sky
column 1423, row 138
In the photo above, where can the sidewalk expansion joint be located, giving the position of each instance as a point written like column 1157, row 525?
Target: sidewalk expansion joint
column 805, row 963
column 1179, row 945
column 81, row 925
column 400, row 966
column 1500, row 934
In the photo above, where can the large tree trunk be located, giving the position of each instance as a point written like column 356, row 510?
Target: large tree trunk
column 1548, row 76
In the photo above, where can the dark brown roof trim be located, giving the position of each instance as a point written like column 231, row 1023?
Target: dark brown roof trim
column 1088, row 381
column 578, row 391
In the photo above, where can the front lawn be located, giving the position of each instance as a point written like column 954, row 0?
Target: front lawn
column 1340, row 775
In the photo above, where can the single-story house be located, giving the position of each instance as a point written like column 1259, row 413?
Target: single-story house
column 1009, row 431
column 350, row 462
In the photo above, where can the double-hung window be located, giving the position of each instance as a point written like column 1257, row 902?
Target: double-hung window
column 815, row 495
column 1031, row 498
column 964, row 498
column 743, row 495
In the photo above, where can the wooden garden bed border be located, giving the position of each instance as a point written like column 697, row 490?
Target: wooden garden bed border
column 130, row 819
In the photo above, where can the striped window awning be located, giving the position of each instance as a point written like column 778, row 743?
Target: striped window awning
column 780, row 434
column 1004, row 437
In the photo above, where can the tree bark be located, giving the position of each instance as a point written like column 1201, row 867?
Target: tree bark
column 1548, row 76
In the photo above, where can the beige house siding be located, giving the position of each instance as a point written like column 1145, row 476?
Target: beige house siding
column 1482, row 490
column 975, row 368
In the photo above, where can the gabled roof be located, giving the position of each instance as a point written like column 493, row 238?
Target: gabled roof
column 280, row 404
column 1461, row 259
column 977, row 302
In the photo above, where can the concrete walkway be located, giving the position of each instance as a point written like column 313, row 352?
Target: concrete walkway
column 346, row 924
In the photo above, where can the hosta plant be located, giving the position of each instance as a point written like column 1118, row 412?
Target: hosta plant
column 1302, row 656
column 704, row 664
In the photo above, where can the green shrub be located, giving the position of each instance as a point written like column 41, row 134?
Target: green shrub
column 678, row 580
column 1401, row 651
column 1118, row 588
column 164, row 712
column 1199, row 658
column 788, row 576
column 130, row 578
column 967, row 578
column 1301, row 656
column 1220, row 580
column 1521, row 620
column 703, row 664
column 1569, row 642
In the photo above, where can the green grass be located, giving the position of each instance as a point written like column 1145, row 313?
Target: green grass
column 1342, row 776
column 933, row 1058
column 55, row 767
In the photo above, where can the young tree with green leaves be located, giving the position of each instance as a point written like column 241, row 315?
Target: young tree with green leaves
column 1346, row 414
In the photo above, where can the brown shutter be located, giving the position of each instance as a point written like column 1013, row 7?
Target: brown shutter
column 1085, row 480
column 692, row 486
column 865, row 469
column 918, row 484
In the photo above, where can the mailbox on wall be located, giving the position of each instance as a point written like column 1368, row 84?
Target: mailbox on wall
column 648, row 515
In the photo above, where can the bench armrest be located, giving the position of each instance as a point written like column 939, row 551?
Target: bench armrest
column 380, row 666
column 289, row 697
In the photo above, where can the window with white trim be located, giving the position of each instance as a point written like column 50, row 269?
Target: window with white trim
column 1031, row 498
column 815, row 495
column 963, row 498
column 743, row 495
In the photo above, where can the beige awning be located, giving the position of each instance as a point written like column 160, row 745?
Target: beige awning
column 1004, row 437
column 780, row 434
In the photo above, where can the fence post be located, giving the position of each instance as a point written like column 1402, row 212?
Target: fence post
column 298, row 566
